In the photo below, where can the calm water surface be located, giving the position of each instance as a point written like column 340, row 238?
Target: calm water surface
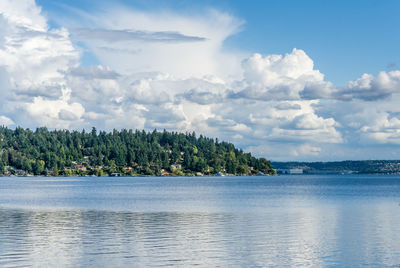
column 284, row 221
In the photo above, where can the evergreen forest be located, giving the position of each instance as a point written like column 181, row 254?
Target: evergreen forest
column 121, row 153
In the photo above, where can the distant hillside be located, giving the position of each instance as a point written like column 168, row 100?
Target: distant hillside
column 360, row 167
column 125, row 152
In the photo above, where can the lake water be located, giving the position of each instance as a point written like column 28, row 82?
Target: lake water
column 282, row 221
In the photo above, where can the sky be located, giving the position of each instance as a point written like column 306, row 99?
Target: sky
column 285, row 80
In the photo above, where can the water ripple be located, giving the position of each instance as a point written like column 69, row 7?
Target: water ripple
column 249, row 222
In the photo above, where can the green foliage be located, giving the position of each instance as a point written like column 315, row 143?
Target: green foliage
column 2, row 169
column 127, row 152
column 38, row 167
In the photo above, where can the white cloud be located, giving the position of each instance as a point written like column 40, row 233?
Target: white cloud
column 365, row 123
column 5, row 121
column 130, row 35
column 127, row 116
column 24, row 13
column 168, row 70
column 381, row 129
column 196, row 49
column 312, row 122
column 268, row 124
column 324, row 135
column 33, row 57
column 305, row 150
column 38, row 60
column 367, row 88
column 279, row 77
column 227, row 124
column 371, row 88
column 56, row 113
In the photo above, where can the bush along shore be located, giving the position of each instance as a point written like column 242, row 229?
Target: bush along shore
column 24, row 152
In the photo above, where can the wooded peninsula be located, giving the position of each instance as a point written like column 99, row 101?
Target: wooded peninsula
column 25, row 152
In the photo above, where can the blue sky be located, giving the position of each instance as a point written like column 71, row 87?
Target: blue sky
column 288, row 80
column 345, row 38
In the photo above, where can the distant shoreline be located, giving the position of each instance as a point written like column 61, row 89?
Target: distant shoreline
column 340, row 167
column 203, row 176
column 136, row 176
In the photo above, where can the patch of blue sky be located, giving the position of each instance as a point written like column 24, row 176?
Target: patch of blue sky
column 344, row 38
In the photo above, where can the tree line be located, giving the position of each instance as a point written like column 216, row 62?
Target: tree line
column 126, row 152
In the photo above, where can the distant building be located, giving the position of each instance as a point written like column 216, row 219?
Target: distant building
column 20, row 172
column 177, row 166
column 80, row 167
column 290, row 171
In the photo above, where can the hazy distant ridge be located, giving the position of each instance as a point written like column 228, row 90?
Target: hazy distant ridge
column 361, row 167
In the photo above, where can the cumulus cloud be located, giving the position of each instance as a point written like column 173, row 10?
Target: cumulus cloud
column 5, row 121
column 269, row 124
column 310, row 121
column 319, row 90
column 384, row 131
column 366, row 124
column 227, row 124
column 39, row 60
column 56, row 113
column 306, row 149
column 24, row 13
column 33, row 57
column 279, row 77
column 325, row 135
column 370, row 88
column 376, row 126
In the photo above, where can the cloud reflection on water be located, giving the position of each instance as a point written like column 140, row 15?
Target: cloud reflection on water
column 301, row 237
